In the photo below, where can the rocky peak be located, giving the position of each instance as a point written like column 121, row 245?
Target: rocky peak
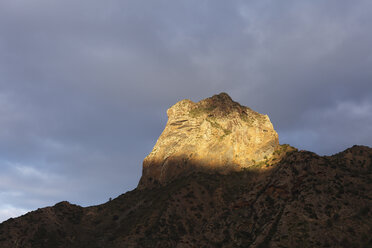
column 214, row 134
column 221, row 104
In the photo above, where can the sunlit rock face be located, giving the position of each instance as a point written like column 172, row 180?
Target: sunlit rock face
column 215, row 134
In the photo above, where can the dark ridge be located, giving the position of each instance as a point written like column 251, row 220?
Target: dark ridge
column 299, row 200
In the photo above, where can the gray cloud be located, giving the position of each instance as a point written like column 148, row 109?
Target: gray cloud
column 84, row 86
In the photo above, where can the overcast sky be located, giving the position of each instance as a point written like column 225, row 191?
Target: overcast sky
column 85, row 85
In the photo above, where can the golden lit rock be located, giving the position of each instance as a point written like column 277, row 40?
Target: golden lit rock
column 215, row 134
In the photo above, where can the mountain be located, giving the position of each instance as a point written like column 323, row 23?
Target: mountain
column 287, row 198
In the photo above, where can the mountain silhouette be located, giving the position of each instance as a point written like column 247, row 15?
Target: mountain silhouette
column 216, row 178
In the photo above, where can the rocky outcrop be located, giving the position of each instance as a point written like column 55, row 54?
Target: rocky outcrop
column 213, row 134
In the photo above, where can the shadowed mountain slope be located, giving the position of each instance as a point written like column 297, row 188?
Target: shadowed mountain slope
column 302, row 200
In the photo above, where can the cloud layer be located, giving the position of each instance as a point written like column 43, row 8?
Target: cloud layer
column 84, row 85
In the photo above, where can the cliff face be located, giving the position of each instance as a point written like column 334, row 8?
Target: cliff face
column 213, row 134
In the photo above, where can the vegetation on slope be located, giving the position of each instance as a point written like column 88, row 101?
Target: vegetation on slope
column 297, row 199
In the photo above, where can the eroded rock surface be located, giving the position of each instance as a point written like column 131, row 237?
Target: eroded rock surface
column 213, row 134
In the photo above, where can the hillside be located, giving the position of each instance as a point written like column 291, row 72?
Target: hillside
column 303, row 200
